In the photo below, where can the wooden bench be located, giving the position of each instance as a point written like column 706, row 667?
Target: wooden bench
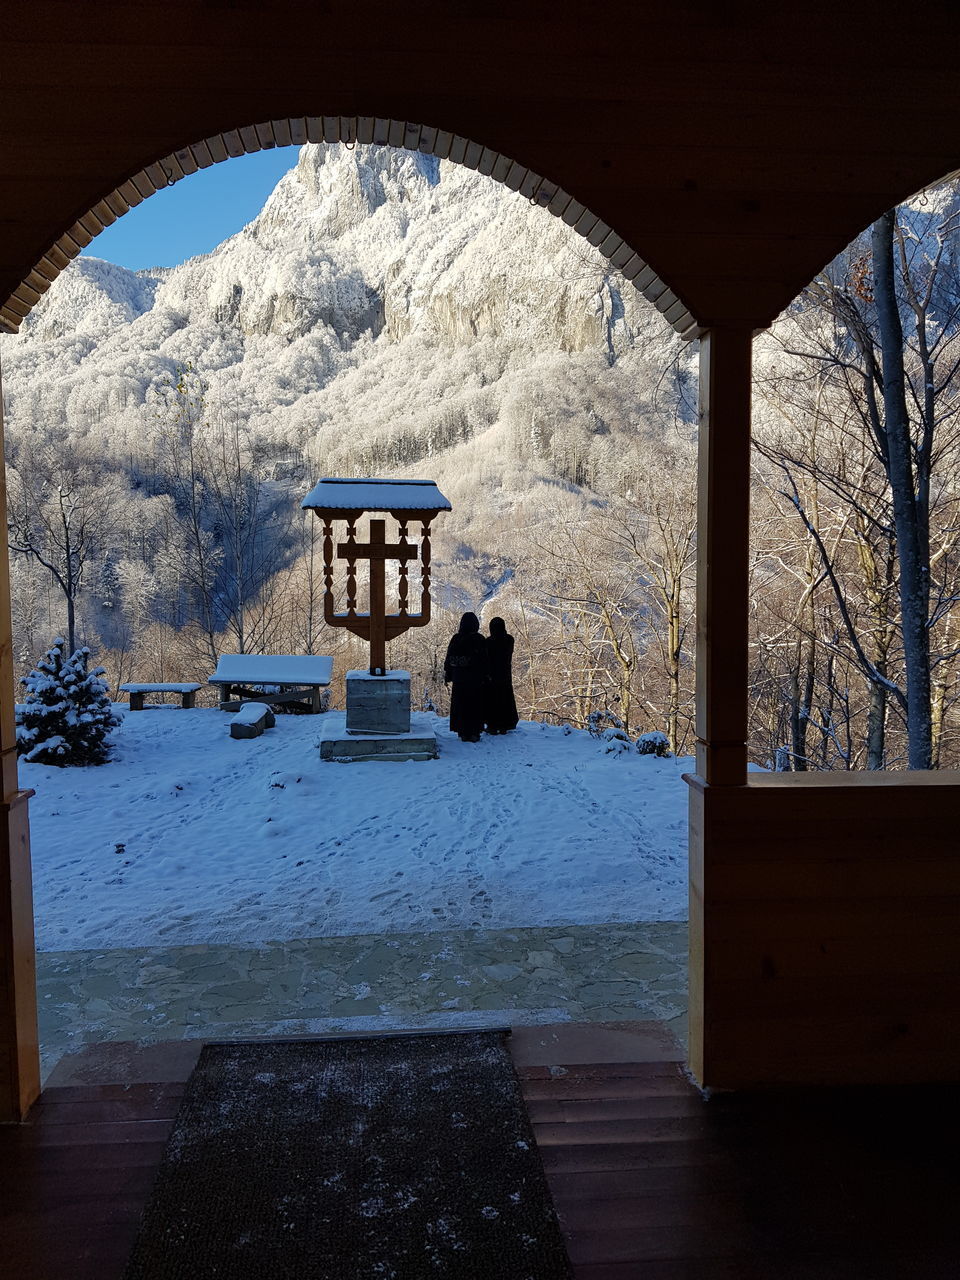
column 187, row 692
column 297, row 681
column 251, row 720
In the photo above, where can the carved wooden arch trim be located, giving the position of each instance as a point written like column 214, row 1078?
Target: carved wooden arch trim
column 350, row 130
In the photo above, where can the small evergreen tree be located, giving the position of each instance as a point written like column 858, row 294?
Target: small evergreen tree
column 67, row 714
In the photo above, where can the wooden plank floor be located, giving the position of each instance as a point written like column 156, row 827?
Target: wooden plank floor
column 650, row 1181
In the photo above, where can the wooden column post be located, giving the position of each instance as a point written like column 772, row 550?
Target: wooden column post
column 723, row 536
column 19, row 1041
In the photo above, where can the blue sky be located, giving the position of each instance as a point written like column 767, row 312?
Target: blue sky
column 195, row 215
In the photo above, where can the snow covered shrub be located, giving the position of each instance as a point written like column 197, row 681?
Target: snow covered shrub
column 67, row 715
column 599, row 722
column 615, row 741
column 653, row 743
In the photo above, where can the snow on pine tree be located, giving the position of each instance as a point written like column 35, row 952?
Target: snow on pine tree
column 67, row 714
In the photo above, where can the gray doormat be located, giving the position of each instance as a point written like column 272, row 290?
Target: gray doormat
column 390, row 1158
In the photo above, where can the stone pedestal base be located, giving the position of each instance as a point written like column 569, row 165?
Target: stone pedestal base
column 378, row 704
column 336, row 743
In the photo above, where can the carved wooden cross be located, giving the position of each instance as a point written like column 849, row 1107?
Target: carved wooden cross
column 405, row 501
column 378, row 551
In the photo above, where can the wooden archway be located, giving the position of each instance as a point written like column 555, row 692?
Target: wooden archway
column 19, row 1085
column 742, row 147
column 172, row 168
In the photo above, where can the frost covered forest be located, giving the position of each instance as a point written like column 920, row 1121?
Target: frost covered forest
column 390, row 314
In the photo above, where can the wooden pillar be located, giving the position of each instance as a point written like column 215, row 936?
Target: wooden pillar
column 723, row 539
column 723, row 535
column 19, row 1041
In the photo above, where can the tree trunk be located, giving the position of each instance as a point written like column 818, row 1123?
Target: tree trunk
column 71, row 625
column 876, row 725
column 941, row 685
column 674, row 649
column 826, row 716
column 912, row 552
column 800, row 703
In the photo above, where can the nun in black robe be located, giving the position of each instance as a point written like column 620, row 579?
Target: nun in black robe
column 501, row 705
column 465, row 668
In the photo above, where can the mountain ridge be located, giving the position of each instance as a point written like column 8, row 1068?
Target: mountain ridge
column 385, row 313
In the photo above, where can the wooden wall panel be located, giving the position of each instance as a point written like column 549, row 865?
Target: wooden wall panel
column 731, row 154
column 19, row 1043
column 826, row 920
column 734, row 158
column 19, row 1046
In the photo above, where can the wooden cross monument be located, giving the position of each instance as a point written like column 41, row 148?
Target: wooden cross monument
column 405, row 501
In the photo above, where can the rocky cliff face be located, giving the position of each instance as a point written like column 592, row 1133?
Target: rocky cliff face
column 379, row 291
column 364, row 240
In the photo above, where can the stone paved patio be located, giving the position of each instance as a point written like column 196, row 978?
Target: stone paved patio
column 580, row 973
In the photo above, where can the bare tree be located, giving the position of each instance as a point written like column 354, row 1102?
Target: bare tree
column 656, row 529
column 870, row 357
column 65, row 516
column 231, row 530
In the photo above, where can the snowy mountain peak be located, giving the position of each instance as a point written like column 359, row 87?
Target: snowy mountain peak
column 335, row 188
column 384, row 309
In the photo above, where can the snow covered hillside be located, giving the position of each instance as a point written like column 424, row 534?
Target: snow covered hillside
column 190, row 836
column 385, row 314
column 385, row 310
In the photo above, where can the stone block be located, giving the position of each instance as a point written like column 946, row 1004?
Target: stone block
column 251, row 720
column 419, row 743
column 378, row 704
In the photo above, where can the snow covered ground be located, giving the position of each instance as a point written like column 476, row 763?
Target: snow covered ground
column 190, row 836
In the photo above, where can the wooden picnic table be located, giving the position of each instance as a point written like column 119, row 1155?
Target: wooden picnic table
column 277, row 679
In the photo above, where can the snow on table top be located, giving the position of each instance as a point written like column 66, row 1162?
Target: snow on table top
column 377, row 495
column 266, row 668
column 180, row 839
column 159, row 688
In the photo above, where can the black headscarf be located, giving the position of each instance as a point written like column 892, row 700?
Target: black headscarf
column 498, row 627
column 469, row 623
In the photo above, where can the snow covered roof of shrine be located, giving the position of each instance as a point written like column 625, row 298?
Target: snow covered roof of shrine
column 376, row 495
